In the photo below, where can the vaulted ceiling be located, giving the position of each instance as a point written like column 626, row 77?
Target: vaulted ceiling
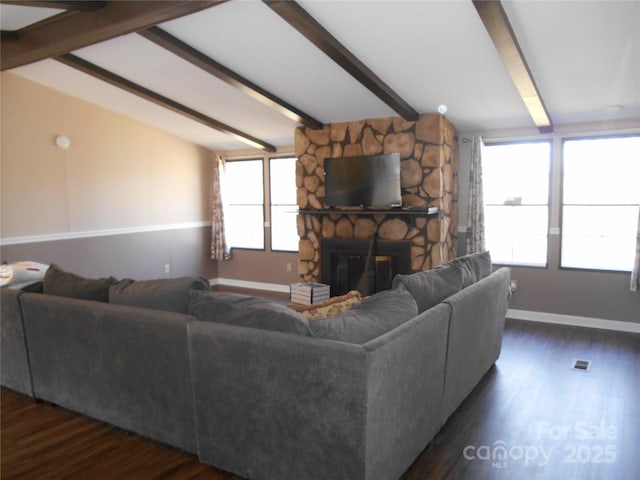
column 232, row 74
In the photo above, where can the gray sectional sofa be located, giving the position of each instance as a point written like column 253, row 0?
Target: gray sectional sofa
column 252, row 387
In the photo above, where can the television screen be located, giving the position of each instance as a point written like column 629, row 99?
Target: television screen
column 367, row 181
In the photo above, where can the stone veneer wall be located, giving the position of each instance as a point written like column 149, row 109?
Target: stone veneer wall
column 429, row 165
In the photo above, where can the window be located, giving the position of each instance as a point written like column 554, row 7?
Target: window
column 516, row 196
column 243, row 198
column 282, row 185
column 601, row 193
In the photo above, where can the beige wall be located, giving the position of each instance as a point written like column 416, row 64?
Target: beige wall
column 117, row 175
column 117, row 172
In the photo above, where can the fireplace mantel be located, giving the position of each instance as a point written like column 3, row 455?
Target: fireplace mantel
column 418, row 211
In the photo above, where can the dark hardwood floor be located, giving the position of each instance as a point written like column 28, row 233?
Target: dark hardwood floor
column 531, row 417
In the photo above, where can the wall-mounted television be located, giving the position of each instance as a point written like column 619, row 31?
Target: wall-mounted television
column 363, row 181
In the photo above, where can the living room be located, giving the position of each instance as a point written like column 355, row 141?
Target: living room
column 127, row 198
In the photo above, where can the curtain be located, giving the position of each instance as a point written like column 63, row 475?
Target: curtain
column 219, row 249
column 475, row 208
column 635, row 274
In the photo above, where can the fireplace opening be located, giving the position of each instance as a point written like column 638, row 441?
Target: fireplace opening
column 364, row 265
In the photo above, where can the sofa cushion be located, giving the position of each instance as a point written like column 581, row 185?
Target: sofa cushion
column 482, row 265
column 269, row 316
column 246, row 311
column 378, row 314
column 212, row 306
column 478, row 266
column 37, row 287
column 330, row 307
column 66, row 284
column 168, row 294
column 432, row 286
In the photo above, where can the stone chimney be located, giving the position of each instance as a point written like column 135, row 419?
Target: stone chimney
column 429, row 164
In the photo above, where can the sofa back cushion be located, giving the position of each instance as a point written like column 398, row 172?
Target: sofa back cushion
column 246, row 311
column 432, row 286
column 168, row 294
column 374, row 316
column 476, row 265
column 66, row 284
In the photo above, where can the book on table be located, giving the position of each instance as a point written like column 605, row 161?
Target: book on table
column 309, row 293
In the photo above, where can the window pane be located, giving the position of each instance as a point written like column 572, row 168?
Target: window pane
column 243, row 198
column 592, row 171
column 243, row 183
column 244, row 226
column 517, row 235
column 282, row 172
column 601, row 238
column 517, row 170
column 284, row 229
column 600, row 202
column 516, row 194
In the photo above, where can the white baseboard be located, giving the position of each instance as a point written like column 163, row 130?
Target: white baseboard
column 232, row 282
column 573, row 320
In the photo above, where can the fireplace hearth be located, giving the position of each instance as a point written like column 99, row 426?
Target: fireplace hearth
column 364, row 265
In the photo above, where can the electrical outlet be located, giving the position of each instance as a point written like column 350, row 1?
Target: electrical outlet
column 514, row 285
column 289, row 267
column 167, row 268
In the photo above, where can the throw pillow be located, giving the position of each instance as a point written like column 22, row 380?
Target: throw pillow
column 168, row 294
column 246, row 311
column 22, row 274
column 432, row 286
column 328, row 308
column 380, row 313
column 66, row 284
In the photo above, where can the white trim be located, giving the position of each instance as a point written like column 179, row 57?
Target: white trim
column 232, row 282
column 52, row 237
column 573, row 320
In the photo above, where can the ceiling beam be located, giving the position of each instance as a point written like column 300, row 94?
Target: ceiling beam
column 131, row 87
column 65, row 5
column 299, row 19
column 200, row 60
column 497, row 24
column 88, row 26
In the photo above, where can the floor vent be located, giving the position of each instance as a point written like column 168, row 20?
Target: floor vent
column 581, row 365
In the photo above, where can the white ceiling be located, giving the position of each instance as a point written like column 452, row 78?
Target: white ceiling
column 583, row 55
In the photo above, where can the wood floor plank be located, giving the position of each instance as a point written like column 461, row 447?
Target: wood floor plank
column 529, row 404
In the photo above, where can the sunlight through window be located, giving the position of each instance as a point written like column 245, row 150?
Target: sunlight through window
column 516, row 195
column 601, row 193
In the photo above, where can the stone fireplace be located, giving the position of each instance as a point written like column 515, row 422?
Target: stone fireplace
column 429, row 164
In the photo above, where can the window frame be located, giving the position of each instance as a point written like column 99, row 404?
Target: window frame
column 264, row 218
column 550, row 143
column 561, row 202
column 271, row 204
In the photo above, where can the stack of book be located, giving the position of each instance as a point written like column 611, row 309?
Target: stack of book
column 309, row 293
